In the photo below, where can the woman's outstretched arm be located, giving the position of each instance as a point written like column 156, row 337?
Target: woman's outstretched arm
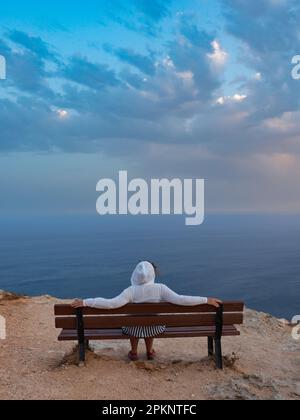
column 101, row 303
column 171, row 297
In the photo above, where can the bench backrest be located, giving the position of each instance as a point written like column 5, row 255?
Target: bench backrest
column 148, row 315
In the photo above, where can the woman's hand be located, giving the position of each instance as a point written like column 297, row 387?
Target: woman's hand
column 78, row 303
column 214, row 302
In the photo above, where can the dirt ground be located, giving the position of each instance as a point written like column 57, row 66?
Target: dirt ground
column 264, row 363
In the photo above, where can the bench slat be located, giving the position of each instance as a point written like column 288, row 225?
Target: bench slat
column 150, row 308
column 152, row 320
column 116, row 334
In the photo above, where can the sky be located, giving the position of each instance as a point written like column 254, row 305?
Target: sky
column 160, row 88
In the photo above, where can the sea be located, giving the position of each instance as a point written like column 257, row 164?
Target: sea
column 254, row 258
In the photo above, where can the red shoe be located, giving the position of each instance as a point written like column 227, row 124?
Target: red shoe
column 133, row 356
column 152, row 355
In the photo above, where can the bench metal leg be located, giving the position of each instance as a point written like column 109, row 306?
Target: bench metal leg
column 219, row 356
column 210, row 341
column 81, row 338
column 81, row 352
column 218, row 337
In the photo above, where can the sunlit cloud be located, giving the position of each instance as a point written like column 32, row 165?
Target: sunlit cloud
column 219, row 56
column 186, row 75
column 227, row 99
column 286, row 123
column 62, row 114
column 258, row 76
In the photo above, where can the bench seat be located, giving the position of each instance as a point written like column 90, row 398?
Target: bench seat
column 171, row 332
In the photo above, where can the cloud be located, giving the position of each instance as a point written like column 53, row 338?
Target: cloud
column 265, row 26
column 4, row 48
column 154, row 10
column 33, row 44
column 219, row 56
column 268, row 32
column 191, row 53
column 235, row 98
column 143, row 63
column 175, row 98
column 92, row 75
column 142, row 16
column 27, row 71
column 173, row 111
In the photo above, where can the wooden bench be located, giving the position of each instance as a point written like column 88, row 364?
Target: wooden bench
column 87, row 324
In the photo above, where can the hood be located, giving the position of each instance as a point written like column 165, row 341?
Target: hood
column 143, row 274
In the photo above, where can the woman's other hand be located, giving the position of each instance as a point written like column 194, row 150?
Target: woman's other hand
column 78, row 303
column 214, row 302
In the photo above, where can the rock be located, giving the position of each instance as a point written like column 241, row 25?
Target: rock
column 105, row 358
column 9, row 296
column 146, row 365
column 284, row 322
column 177, row 361
column 234, row 390
column 162, row 366
column 132, row 364
column 230, row 360
column 247, row 387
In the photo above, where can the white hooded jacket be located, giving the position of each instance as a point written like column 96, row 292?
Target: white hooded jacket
column 145, row 290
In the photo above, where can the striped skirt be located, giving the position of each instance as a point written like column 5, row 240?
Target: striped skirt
column 143, row 332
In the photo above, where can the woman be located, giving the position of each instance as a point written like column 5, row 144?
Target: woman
column 144, row 290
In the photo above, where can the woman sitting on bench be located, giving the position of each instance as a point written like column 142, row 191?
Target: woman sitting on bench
column 144, row 290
